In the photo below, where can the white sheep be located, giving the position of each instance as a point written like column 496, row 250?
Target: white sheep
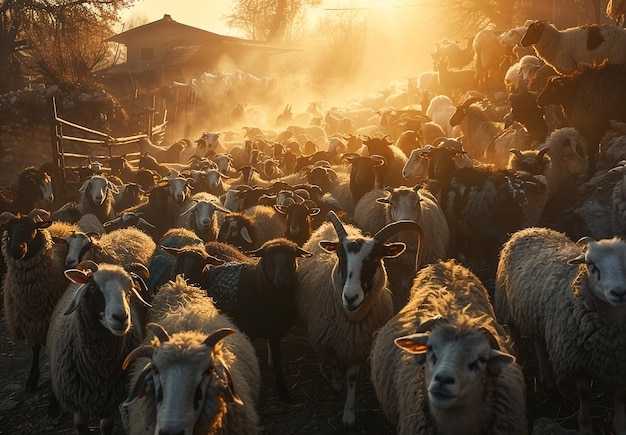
column 34, row 280
column 198, row 215
column 440, row 110
column 96, row 323
column 442, row 365
column 122, row 246
column 570, row 299
column 342, row 297
column 570, row 49
column 96, row 196
column 405, row 203
column 199, row 378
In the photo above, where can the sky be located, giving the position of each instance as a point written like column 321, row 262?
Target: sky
column 203, row 14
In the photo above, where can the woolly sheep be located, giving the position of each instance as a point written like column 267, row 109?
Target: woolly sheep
column 570, row 49
column 488, row 53
column 200, row 361
column 34, row 280
column 32, row 185
column 342, row 297
column 96, row 196
column 569, row 298
column 96, row 323
column 440, row 110
column 250, row 229
column 442, row 365
column 478, row 130
column 198, row 215
column 405, row 203
column 122, row 247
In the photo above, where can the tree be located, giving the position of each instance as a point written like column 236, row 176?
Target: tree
column 269, row 20
column 30, row 27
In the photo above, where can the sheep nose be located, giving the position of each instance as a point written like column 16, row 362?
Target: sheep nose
column 120, row 317
column 618, row 293
column 350, row 299
column 444, row 379
column 171, row 432
column 206, row 222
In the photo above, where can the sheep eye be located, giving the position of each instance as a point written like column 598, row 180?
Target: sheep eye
column 478, row 363
column 593, row 269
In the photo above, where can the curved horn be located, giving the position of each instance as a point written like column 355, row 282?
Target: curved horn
column 469, row 101
column 217, row 336
column 145, row 351
column 394, row 228
column 542, row 152
column 6, row 216
column 158, row 331
column 517, row 152
column 339, row 228
column 39, row 213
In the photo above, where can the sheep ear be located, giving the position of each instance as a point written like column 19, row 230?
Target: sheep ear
column 143, row 386
column 245, row 234
column 392, row 250
column 382, row 200
column 85, row 185
column 82, row 291
column 414, row 343
column 304, row 254
column 329, row 246
column 280, row 209
column 497, row 361
column 578, row 260
column 79, row 276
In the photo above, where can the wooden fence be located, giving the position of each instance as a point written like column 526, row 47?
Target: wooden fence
column 97, row 142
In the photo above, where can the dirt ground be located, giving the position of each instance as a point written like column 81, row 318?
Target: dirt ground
column 316, row 409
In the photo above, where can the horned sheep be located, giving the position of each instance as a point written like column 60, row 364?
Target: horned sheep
column 569, row 298
column 202, row 374
column 198, row 214
column 342, row 297
column 442, row 365
column 96, row 197
column 96, row 323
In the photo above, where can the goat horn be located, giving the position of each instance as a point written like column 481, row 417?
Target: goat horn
column 394, row 228
column 158, row 331
column 517, row 152
column 6, row 216
column 339, row 228
column 39, row 213
column 217, row 336
column 543, row 151
column 145, row 351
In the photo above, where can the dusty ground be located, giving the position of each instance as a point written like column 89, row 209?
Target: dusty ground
column 316, row 409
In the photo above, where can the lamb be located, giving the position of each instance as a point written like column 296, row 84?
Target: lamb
column 616, row 10
column 32, row 185
column 198, row 360
column 123, row 246
column 34, row 280
column 590, row 99
column 250, row 229
column 198, row 215
column 569, row 298
column 342, row 296
column 404, row 203
column 96, row 196
column 570, row 49
column 443, row 364
column 95, row 324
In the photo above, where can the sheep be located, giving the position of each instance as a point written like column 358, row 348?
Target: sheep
column 95, row 324
column 570, row 49
column 404, row 203
column 440, row 110
column 32, row 185
column 569, row 299
column 202, row 374
column 453, row 83
column 96, row 196
column 251, row 228
column 443, row 364
column 34, row 280
column 478, row 129
column 618, row 203
column 198, row 215
column 170, row 154
column 90, row 224
column 298, row 220
column 128, row 219
column 161, row 211
column 123, row 246
column 208, row 142
column 589, row 99
column 616, row 10
column 488, row 53
column 458, row 57
column 524, row 109
column 514, row 136
column 130, row 195
column 258, row 296
column 342, row 296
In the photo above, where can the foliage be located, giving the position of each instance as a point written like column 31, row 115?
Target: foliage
column 27, row 25
column 269, row 20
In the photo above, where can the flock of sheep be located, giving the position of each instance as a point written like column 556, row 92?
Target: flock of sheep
column 422, row 240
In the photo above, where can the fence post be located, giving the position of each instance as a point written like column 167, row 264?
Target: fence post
column 58, row 162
